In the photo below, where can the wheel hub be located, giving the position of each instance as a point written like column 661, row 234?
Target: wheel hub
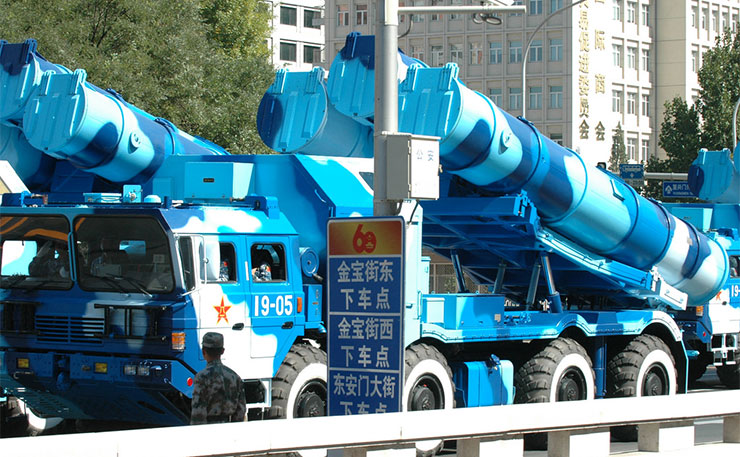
column 426, row 395
column 311, row 402
column 656, row 381
column 572, row 386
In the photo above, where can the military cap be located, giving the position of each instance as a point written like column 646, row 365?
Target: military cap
column 213, row 340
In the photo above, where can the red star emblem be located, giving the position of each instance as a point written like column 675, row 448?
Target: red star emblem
column 222, row 310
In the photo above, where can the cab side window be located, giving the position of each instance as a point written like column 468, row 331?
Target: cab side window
column 268, row 262
column 227, row 271
column 734, row 266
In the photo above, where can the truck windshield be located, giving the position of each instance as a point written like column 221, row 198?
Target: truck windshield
column 120, row 254
column 34, row 252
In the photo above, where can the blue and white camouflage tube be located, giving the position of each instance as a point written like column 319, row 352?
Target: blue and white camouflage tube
column 68, row 118
column 21, row 69
column 295, row 116
column 490, row 148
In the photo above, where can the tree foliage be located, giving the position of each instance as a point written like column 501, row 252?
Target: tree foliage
column 720, row 90
column 680, row 138
column 707, row 124
column 619, row 154
column 168, row 58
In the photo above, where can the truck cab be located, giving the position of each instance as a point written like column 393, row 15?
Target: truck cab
column 107, row 302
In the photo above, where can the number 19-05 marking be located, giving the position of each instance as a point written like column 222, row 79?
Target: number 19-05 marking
column 282, row 306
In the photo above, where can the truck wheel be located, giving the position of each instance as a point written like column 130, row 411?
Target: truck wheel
column 644, row 368
column 299, row 387
column 562, row 371
column 428, row 385
column 729, row 375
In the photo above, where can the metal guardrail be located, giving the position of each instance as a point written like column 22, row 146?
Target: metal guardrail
column 575, row 428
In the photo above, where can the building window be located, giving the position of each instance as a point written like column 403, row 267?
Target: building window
column 646, row 60
column 535, row 97
column 631, row 57
column 455, row 16
column 416, row 17
column 556, row 50
column 704, row 19
column 361, row 14
column 645, row 14
column 417, row 52
column 515, row 51
column 311, row 54
column 616, row 101
column 517, row 3
column 434, row 17
column 715, row 20
column 631, row 102
column 438, row 56
column 288, row 15
column 287, row 51
column 476, row 54
column 645, row 149
column 617, row 55
column 632, row 148
column 311, row 19
column 556, row 97
column 645, row 105
column 555, row 5
column 535, row 7
column 617, row 10
column 342, row 15
column 456, row 53
column 557, row 138
column 693, row 17
column 632, row 12
column 695, row 60
column 535, row 51
column 515, row 98
column 495, row 95
column 494, row 52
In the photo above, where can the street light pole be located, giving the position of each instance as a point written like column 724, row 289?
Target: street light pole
column 526, row 52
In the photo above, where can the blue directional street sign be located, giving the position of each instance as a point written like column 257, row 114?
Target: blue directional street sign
column 676, row 189
column 365, row 322
column 631, row 171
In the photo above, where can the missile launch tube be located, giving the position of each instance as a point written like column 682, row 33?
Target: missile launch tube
column 491, row 149
column 21, row 68
column 70, row 119
column 33, row 167
column 295, row 116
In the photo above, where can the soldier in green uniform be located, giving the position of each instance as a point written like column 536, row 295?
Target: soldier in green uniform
column 218, row 395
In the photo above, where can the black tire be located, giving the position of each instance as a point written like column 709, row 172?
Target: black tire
column 729, row 375
column 299, row 387
column 427, row 385
column 644, row 368
column 562, row 371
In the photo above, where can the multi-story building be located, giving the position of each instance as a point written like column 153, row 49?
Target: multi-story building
column 686, row 30
column 297, row 39
column 591, row 69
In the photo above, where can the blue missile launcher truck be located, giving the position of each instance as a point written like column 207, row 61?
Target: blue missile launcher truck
column 149, row 237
